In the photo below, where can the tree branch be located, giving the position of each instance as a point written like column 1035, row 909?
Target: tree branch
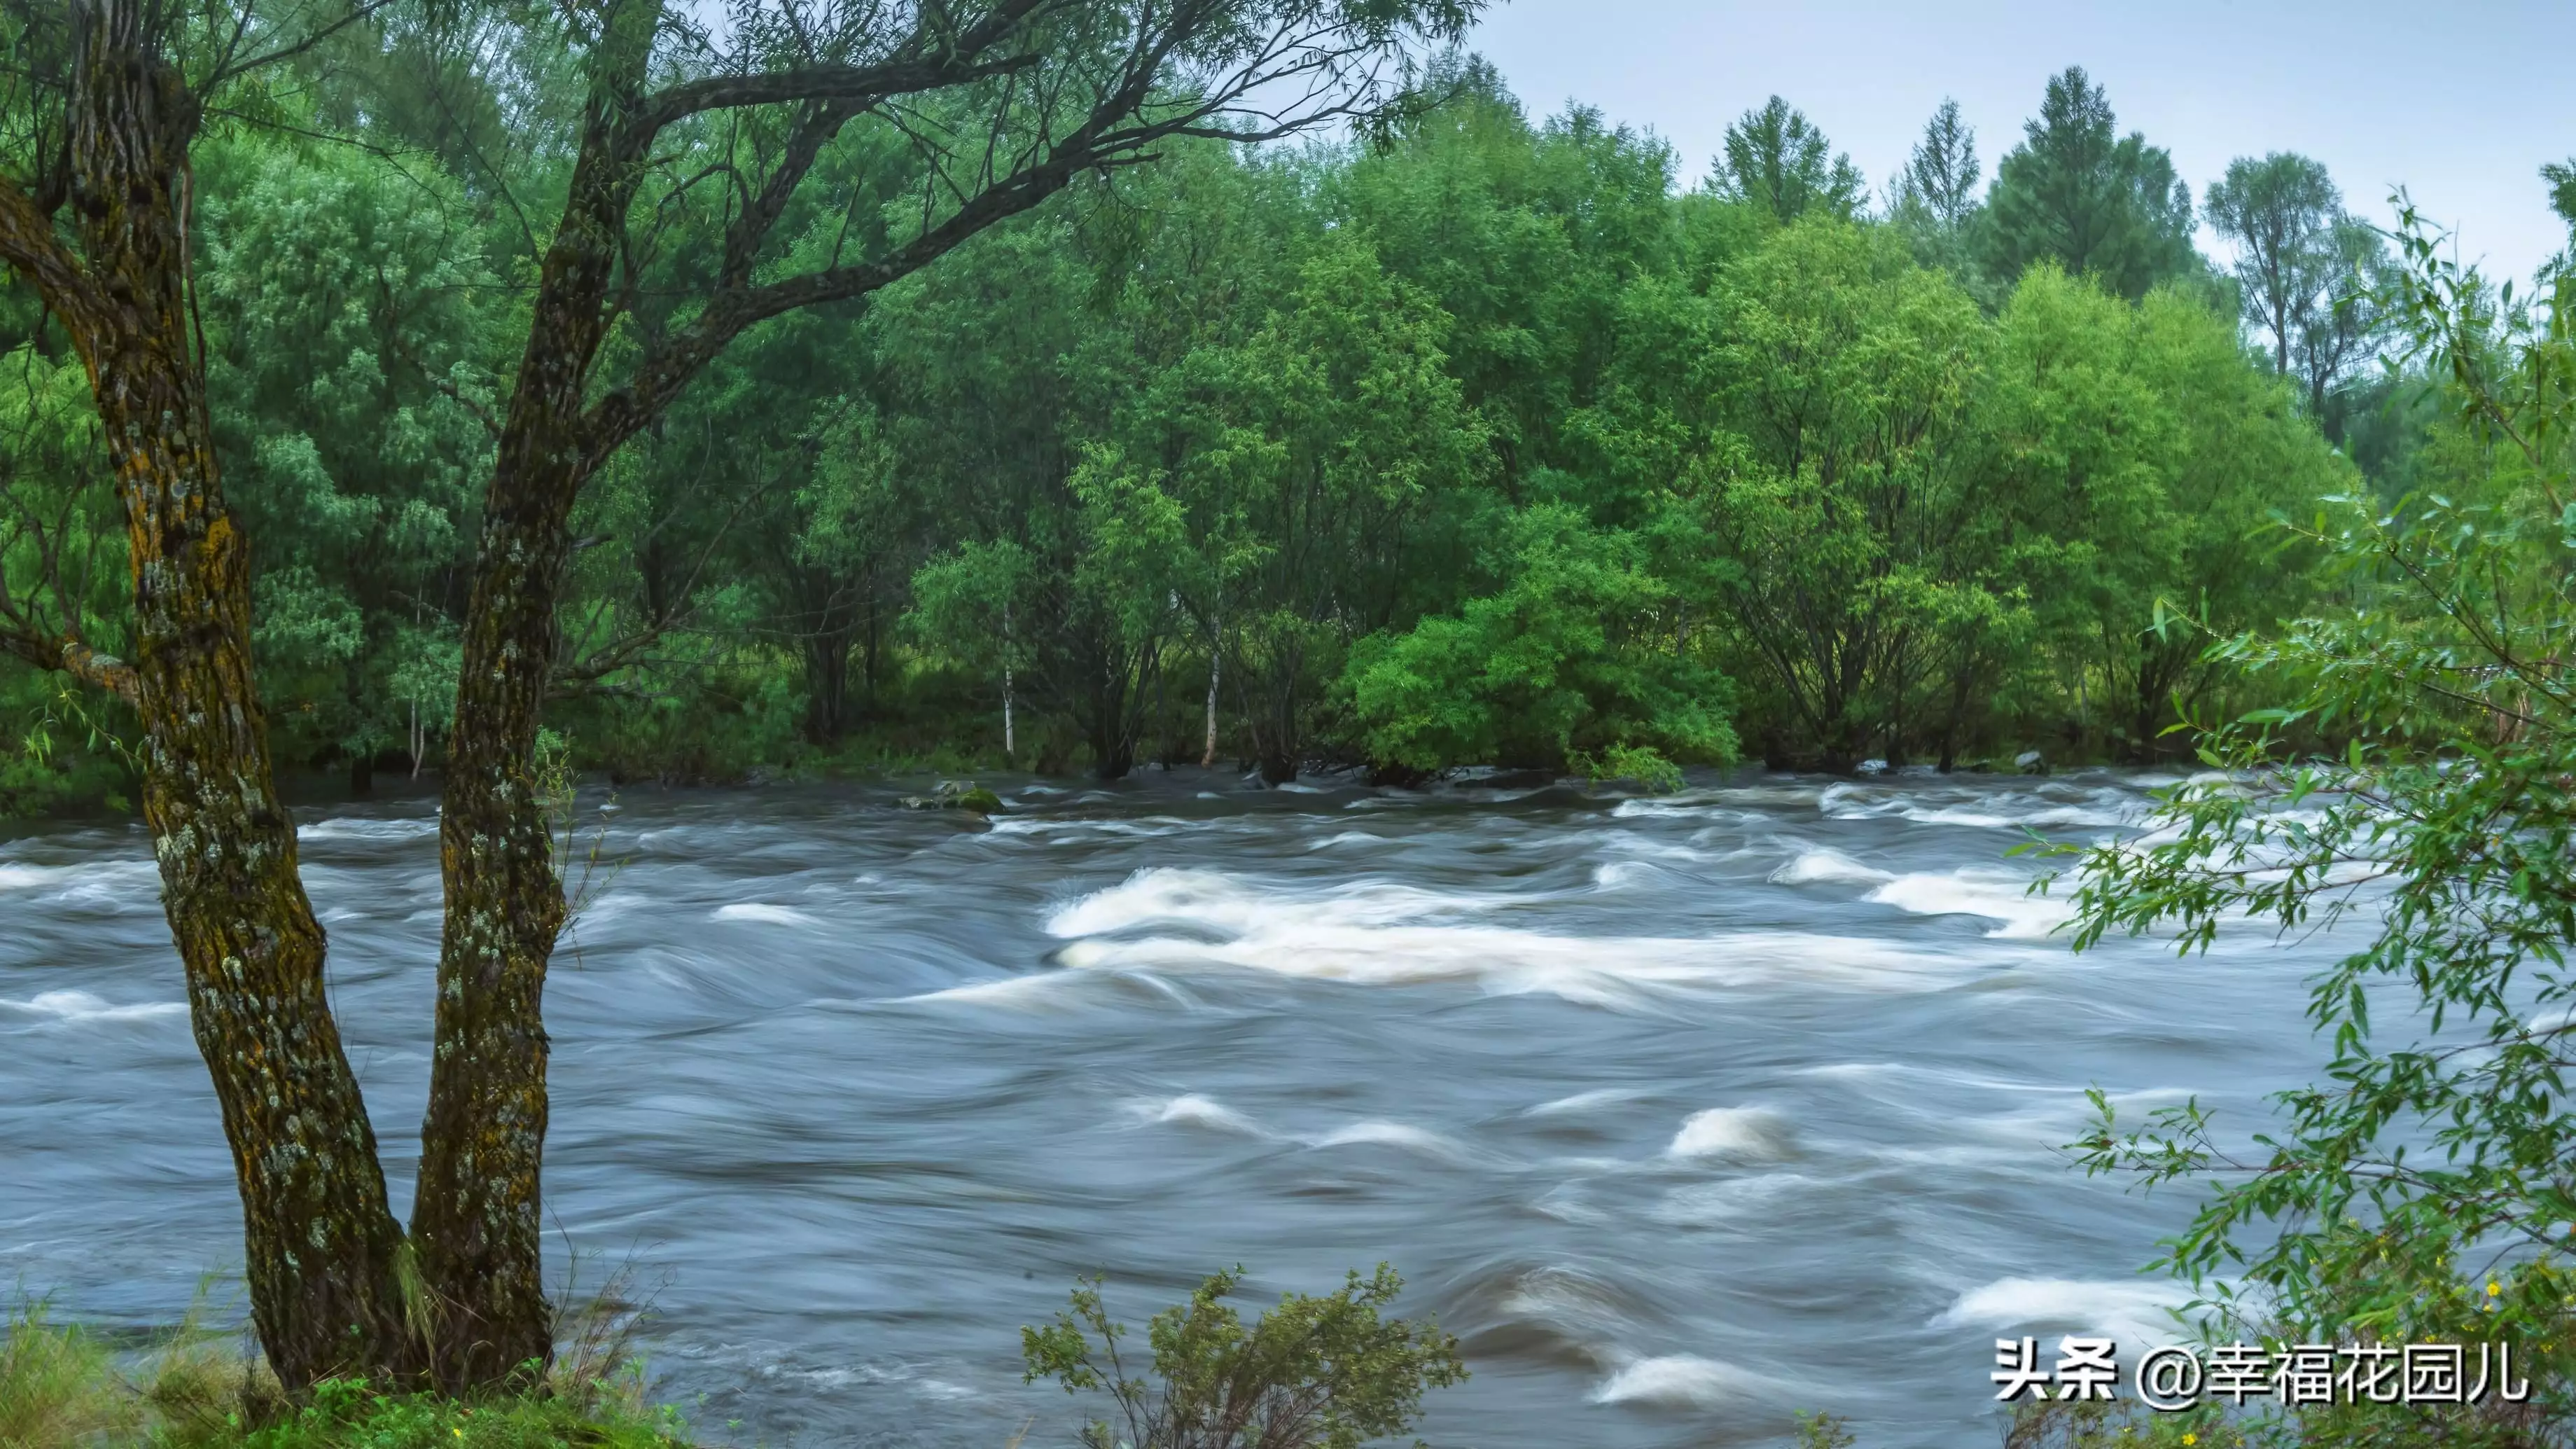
column 69, row 655
column 856, row 86
column 29, row 246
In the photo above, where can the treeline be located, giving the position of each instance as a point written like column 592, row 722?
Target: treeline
column 1467, row 440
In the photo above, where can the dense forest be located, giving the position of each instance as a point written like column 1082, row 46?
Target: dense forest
column 1469, row 439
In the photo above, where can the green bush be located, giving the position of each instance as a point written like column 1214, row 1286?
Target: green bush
column 1312, row 1373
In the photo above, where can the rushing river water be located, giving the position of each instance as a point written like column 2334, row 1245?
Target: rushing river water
column 1684, row 1113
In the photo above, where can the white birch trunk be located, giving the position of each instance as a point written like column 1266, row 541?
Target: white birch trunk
column 1216, row 658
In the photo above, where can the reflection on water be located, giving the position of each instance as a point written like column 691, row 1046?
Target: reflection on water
column 1684, row 1112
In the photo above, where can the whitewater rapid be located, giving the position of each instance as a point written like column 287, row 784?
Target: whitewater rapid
column 1684, row 1112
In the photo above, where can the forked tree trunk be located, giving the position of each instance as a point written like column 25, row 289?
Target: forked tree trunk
column 321, row 1251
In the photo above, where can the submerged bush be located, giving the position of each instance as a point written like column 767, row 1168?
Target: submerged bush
column 1312, row 1373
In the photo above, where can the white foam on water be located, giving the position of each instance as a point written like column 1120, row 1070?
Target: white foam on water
column 1053, row 992
column 1751, row 1133
column 1863, row 1071
column 1393, row 1134
column 2555, row 1019
column 78, row 1006
column 1997, row 895
column 1167, row 895
column 1374, row 933
column 1347, row 837
column 1703, row 811
column 2128, row 1310
column 1193, row 1110
column 1728, row 800
column 1762, row 1195
column 1668, row 807
column 2099, row 807
column 1584, row 1101
column 1146, row 828
column 1679, row 1381
column 1635, row 844
column 1032, row 991
column 765, row 913
column 360, row 827
column 91, row 880
column 1828, row 867
column 1611, row 875
column 1612, row 972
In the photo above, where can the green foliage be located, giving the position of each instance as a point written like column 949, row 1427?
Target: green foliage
column 2307, row 272
column 1823, row 1431
column 62, row 565
column 1564, row 659
column 2079, row 194
column 2421, row 1189
column 1942, row 172
column 347, row 309
column 349, row 1415
column 1635, row 763
column 2123, row 1424
column 1777, row 161
column 1326, row 1372
column 1479, row 442
column 1934, row 200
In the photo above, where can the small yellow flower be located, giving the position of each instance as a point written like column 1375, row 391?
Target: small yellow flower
column 2191, row 1438
column 2493, row 1288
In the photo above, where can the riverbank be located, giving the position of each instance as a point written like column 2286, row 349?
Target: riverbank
column 66, row 1387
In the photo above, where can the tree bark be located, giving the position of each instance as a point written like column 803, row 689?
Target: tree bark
column 1216, row 660
column 476, row 1218
column 321, row 1250
column 476, row 1215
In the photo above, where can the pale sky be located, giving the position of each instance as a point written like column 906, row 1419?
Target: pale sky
column 2458, row 100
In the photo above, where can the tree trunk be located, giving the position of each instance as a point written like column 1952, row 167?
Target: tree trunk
column 476, row 1214
column 827, row 680
column 1216, row 661
column 1010, row 725
column 320, row 1248
column 362, row 760
column 874, row 656
column 476, row 1219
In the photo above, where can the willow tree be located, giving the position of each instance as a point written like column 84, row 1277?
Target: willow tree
column 731, row 133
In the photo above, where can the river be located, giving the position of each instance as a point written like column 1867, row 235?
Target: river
column 1684, row 1112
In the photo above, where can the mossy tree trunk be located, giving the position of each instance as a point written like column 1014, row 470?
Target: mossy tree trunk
column 477, row 1216
column 321, row 1249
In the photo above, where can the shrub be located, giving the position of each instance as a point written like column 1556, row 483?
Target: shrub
column 1312, row 1373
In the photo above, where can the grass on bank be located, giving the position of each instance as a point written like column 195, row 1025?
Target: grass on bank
column 1326, row 1371
column 64, row 1387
